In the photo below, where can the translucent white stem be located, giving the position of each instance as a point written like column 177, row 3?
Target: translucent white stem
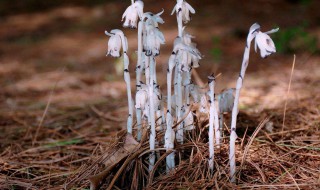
column 148, row 70
column 187, row 88
column 139, row 123
column 169, row 143
column 152, row 116
column 221, row 126
column 128, row 84
column 175, row 81
column 139, row 67
column 169, row 135
column 216, row 124
column 179, row 106
column 211, row 139
column 233, row 135
column 211, row 122
column 180, row 26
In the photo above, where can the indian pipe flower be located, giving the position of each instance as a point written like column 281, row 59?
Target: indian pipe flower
column 183, row 7
column 265, row 43
column 132, row 13
column 153, row 39
column 153, row 19
column 114, row 45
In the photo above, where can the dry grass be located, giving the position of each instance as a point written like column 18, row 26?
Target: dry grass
column 288, row 159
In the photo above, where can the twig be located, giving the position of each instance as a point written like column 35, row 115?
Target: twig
column 46, row 109
column 288, row 91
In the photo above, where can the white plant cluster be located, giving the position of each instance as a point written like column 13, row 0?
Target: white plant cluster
column 152, row 113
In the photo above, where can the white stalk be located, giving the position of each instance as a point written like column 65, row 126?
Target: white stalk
column 211, row 122
column 171, row 65
column 139, row 124
column 175, row 81
column 139, row 67
column 216, row 122
column 169, row 135
column 124, row 42
column 252, row 33
column 221, row 126
column 179, row 19
column 179, row 106
column 152, row 115
column 169, row 143
column 147, row 68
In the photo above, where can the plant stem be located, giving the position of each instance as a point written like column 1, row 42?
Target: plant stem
column 211, row 121
column 152, row 115
column 169, row 132
column 179, row 106
column 233, row 136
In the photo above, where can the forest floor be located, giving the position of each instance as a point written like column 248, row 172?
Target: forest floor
column 63, row 103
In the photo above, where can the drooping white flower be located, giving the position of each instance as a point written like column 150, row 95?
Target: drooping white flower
column 188, row 55
column 193, row 60
column 114, row 46
column 184, row 8
column 141, row 99
column 265, row 43
column 180, row 45
column 116, row 41
column 153, row 38
column 132, row 13
column 153, row 19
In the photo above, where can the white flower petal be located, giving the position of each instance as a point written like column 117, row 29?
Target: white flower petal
column 191, row 9
column 265, row 44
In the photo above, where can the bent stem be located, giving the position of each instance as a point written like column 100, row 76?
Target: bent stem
column 252, row 33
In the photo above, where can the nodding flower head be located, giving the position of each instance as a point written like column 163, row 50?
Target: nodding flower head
column 132, row 13
column 153, row 39
column 182, row 7
column 265, row 43
column 141, row 98
column 153, row 19
column 116, row 41
column 188, row 54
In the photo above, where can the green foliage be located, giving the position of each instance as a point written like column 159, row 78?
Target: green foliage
column 295, row 39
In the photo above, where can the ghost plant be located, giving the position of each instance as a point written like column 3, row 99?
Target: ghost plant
column 182, row 54
column 118, row 39
column 132, row 14
column 213, row 121
column 149, row 40
column 183, row 10
column 185, row 56
column 266, row 46
column 225, row 99
column 152, row 39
